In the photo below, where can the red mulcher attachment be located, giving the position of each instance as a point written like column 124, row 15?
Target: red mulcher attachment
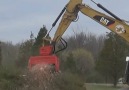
column 46, row 57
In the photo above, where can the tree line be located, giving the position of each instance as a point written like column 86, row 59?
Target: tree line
column 95, row 59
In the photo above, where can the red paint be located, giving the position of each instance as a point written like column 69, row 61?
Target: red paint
column 46, row 57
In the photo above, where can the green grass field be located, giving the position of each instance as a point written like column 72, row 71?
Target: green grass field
column 100, row 87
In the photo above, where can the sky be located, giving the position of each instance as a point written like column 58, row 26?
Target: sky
column 19, row 17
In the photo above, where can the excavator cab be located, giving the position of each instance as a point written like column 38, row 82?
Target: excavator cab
column 45, row 58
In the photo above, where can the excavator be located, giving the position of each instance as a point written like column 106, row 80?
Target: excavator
column 69, row 14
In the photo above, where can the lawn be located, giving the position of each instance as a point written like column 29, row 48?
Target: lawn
column 100, row 87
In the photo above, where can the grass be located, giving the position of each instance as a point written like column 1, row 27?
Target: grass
column 100, row 87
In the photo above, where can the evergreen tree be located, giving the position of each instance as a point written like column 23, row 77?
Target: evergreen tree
column 39, row 41
column 29, row 47
column 111, row 61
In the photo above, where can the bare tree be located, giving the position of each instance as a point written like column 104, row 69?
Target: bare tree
column 9, row 53
column 87, row 41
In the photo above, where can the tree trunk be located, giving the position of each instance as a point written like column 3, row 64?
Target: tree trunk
column 115, row 81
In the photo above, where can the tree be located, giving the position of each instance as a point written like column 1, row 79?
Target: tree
column 70, row 64
column 84, row 61
column 111, row 62
column 87, row 41
column 9, row 54
column 30, row 47
column 85, row 48
column 24, row 53
column 39, row 41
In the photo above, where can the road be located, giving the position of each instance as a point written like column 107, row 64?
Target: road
column 124, row 89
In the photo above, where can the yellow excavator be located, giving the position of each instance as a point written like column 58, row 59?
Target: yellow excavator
column 70, row 14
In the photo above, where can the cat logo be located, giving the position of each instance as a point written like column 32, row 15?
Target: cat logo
column 104, row 21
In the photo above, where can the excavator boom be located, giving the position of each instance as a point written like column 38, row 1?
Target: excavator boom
column 113, row 23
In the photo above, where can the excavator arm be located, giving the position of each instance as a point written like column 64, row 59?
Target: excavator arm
column 114, row 23
column 70, row 15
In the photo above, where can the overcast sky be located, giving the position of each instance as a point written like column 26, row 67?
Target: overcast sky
column 19, row 17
